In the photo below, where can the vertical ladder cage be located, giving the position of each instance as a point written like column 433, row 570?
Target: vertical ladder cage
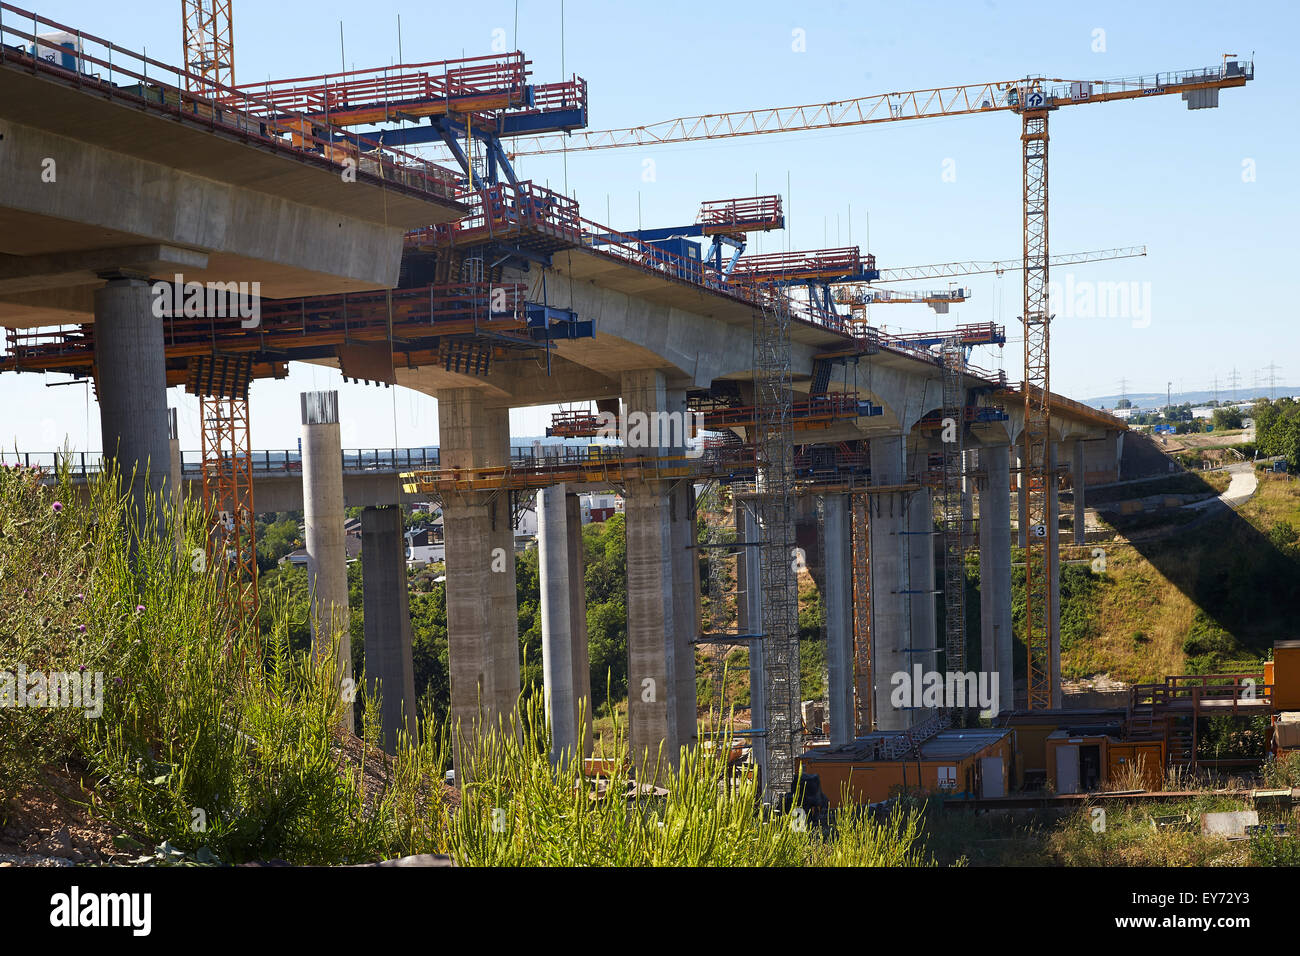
column 775, row 451
column 1039, row 557
column 951, row 513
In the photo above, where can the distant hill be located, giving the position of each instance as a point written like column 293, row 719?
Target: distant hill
column 1158, row 399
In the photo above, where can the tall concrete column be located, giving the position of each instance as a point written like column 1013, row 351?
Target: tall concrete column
column 323, row 515
column 482, row 613
column 968, row 459
column 750, row 606
column 686, row 573
column 389, row 669
column 891, row 619
column 652, row 673
column 1077, row 477
column 1022, row 486
column 131, row 382
column 557, row 623
column 1054, row 542
column 175, row 479
column 578, row 621
column 175, row 487
column 654, row 737
column 837, row 572
column 503, row 594
column 996, row 635
column 686, row 608
column 922, row 544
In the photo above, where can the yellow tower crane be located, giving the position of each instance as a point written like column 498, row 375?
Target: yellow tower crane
column 221, row 382
column 1034, row 98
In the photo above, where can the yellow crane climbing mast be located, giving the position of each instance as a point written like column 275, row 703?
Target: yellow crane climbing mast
column 221, row 382
column 1034, row 98
column 209, row 41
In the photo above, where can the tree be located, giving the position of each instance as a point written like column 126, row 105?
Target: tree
column 1277, row 430
column 1123, row 403
column 605, row 544
column 276, row 539
column 1226, row 418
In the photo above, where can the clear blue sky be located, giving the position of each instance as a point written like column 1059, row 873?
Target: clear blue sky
column 1145, row 172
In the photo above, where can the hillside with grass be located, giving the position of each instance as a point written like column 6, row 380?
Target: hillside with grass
column 1209, row 596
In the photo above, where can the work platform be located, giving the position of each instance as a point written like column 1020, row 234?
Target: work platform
column 419, row 324
column 296, row 211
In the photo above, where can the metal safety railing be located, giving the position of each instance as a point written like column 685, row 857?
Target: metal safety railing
column 1151, row 81
column 103, row 68
column 503, row 75
column 742, row 215
column 283, row 323
column 502, row 209
column 266, row 463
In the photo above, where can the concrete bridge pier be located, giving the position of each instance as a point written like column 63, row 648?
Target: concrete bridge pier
column 1077, row 477
column 578, row 620
column 323, row 516
column 565, row 669
column 1054, row 542
column 1022, row 491
column 922, row 544
column 996, row 635
column 131, row 382
column 891, row 617
column 389, row 669
column 686, row 607
column 653, row 734
column 837, row 571
column 175, row 476
column 482, row 609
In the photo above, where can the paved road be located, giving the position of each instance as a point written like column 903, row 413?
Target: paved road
column 1241, row 487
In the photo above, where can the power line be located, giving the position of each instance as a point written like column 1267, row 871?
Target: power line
column 1272, row 369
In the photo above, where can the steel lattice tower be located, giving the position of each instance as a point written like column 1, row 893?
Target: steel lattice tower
column 775, row 453
column 1039, row 558
column 221, row 383
column 952, row 359
column 864, row 710
column 209, row 42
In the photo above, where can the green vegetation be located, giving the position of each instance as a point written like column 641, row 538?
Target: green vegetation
column 1226, row 419
column 222, row 744
column 1212, row 598
column 522, row 812
column 1127, row 835
column 211, row 738
column 1277, row 430
column 1181, row 484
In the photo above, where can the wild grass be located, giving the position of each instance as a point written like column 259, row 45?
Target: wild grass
column 1127, row 836
column 522, row 810
column 222, row 743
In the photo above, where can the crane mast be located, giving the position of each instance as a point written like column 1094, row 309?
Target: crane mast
column 1037, row 469
column 1033, row 98
column 209, row 45
column 221, row 382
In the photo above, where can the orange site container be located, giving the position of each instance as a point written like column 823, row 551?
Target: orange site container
column 953, row 763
